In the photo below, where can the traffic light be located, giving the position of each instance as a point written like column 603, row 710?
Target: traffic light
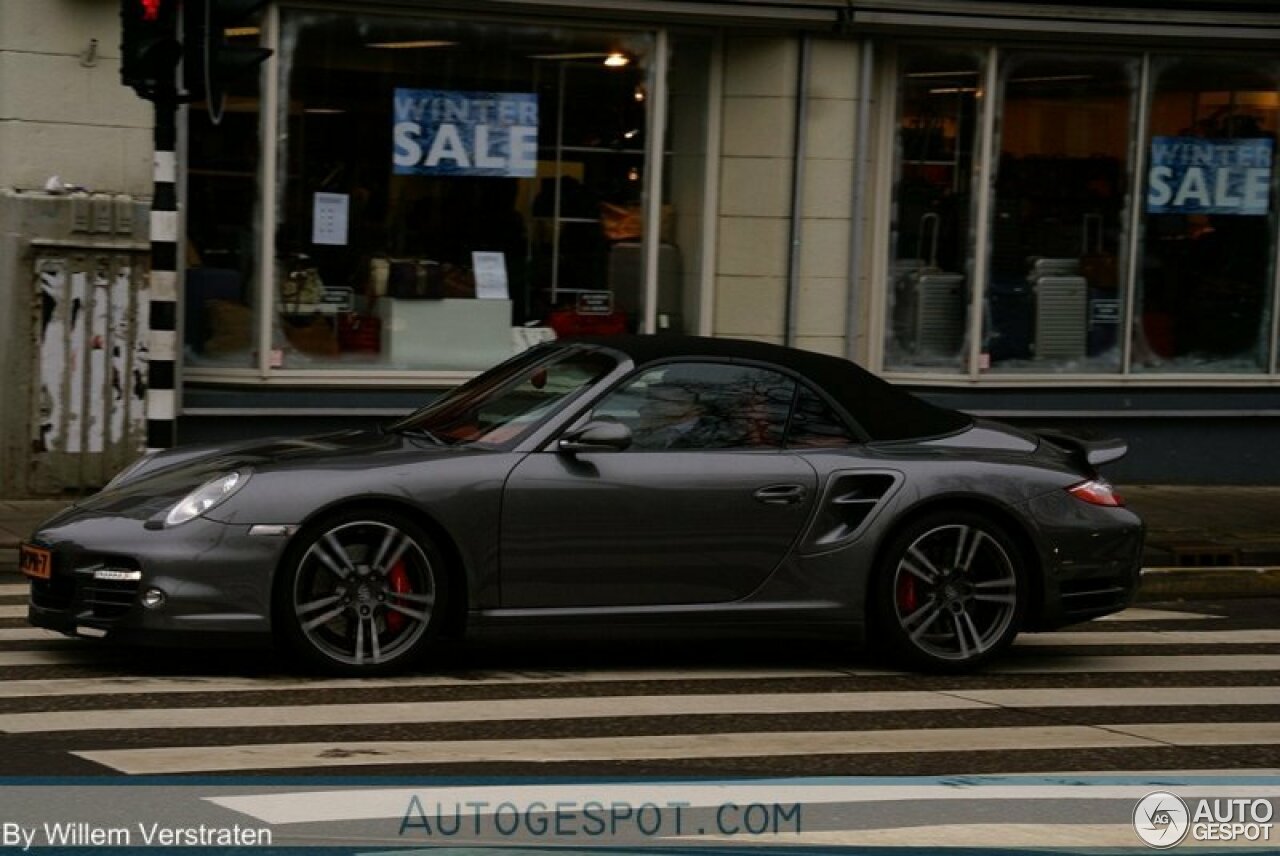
column 149, row 48
column 210, row 60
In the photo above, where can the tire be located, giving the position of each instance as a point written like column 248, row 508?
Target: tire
column 950, row 592
column 360, row 593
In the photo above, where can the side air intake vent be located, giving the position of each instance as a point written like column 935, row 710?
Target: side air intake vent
column 849, row 502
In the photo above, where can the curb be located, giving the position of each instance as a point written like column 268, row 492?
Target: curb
column 1192, row 583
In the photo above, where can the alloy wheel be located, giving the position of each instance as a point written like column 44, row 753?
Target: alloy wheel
column 955, row 592
column 364, row 593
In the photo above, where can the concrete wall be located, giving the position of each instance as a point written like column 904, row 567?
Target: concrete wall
column 761, row 77
column 63, row 110
column 827, row 196
column 755, row 187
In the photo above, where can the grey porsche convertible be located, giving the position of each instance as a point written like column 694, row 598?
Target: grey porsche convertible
column 669, row 482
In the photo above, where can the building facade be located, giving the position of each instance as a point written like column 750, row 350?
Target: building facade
column 1051, row 214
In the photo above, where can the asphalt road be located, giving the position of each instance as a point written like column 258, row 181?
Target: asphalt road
column 558, row 743
column 1187, row 686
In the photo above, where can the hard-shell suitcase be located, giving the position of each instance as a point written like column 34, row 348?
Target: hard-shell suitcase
column 1061, row 320
column 929, row 311
column 1042, row 266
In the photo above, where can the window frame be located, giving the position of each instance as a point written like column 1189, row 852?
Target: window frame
column 799, row 381
column 973, row 374
column 262, row 371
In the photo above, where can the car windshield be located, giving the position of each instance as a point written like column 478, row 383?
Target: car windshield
column 502, row 404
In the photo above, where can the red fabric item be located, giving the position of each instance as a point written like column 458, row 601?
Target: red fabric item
column 567, row 323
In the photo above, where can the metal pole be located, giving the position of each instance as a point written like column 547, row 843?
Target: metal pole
column 800, row 144
column 856, row 221
column 162, row 313
column 655, row 163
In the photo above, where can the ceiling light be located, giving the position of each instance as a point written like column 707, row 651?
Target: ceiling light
column 1052, row 78
column 959, row 73
column 419, row 43
column 616, row 60
column 578, row 55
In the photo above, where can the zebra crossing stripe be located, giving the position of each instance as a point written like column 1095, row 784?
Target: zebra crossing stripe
column 14, row 590
column 374, row 803
column 50, row 687
column 531, row 709
column 13, row 610
column 949, row 836
column 490, row 710
column 33, row 634
column 1099, row 664
column 1143, row 614
column 1054, row 664
column 677, row 747
column 1150, row 637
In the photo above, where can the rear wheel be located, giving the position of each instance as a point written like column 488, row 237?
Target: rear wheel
column 951, row 592
column 361, row 593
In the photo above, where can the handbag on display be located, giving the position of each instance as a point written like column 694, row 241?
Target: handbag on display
column 302, row 287
column 357, row 332
column 314, row 336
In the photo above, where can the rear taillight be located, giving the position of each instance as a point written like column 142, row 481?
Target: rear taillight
column 1096, row 492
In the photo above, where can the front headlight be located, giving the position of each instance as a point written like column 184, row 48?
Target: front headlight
column 209, row 495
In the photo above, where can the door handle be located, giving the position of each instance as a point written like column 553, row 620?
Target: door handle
column 780, row 494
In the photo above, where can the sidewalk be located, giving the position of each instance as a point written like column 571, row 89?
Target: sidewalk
column 1201, row 541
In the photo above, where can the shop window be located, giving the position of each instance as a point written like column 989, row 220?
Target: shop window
column 929, row 289
column 1054, row 295
column 1209, row 222
column 439, row 182
column 221, row 203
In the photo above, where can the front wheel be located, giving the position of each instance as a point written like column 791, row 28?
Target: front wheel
column 951, row 592
column 361, row 593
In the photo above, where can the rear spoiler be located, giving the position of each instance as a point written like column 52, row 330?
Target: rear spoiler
column 1095, row 451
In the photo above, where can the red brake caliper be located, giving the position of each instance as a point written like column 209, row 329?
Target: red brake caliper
column 906, row 594
column 399, row 579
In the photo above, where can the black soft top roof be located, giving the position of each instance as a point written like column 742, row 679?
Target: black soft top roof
column 884, row 411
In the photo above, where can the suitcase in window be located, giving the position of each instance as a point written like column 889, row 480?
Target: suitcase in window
column 1042, row 267
column 1061, row 318
column 929, row 311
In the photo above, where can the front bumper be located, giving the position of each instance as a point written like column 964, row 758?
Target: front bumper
column 216, row 580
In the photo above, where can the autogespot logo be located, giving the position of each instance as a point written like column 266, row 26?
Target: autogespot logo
column 1161, row 819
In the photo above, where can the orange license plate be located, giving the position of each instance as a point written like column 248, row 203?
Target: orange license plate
column 35, row 562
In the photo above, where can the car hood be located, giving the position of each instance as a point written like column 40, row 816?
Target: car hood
column 161, row 480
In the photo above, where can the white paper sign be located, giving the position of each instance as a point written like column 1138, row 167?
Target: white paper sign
column 491, row 275
column 329, row 217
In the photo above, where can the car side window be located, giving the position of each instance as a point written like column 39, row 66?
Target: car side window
column 814, row 425
column 702, row 406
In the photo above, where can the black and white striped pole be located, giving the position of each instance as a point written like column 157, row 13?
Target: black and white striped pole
column 150, row 50
column 149, row 54
column 162, row 312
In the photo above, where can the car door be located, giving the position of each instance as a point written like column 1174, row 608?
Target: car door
column 701, row 507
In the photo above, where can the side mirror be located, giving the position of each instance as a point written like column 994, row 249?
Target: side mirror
column 598, row 435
